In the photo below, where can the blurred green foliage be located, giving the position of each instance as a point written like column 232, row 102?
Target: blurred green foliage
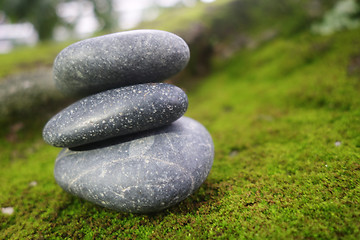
column 226, row 26
column 41, row 13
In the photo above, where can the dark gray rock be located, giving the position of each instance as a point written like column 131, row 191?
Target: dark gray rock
column 140, row 173
column 116, row 112
column 120, row 59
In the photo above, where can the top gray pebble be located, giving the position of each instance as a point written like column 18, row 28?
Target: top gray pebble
column 119, row 59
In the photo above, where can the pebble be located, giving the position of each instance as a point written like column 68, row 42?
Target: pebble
column 140, row 173
column 33, row 183
column 119, row 59
column 7, row 210
column 127, row 145
column 116, row 112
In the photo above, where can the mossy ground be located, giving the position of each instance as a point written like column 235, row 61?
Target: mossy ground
column 285, row 119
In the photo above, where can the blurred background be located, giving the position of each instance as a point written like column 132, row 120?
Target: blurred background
column 27, row 22
column 33, row 32
column 24, row 22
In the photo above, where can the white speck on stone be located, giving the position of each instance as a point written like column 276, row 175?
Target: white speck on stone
column 337, row 143
column 7, row 210
column 79, row 74
column 103, row 172
column 140, row 147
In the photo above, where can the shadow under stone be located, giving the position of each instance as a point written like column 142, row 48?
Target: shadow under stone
column 126, row 138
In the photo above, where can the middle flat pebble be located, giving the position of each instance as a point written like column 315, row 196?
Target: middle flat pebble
column 116, row 112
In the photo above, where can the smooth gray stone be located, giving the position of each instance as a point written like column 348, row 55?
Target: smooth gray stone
column 140, row 173
column 116, row 112
column 119, row 59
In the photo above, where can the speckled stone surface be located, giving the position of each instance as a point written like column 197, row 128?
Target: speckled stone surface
column 139, row 173
column 119, row 59
column 116, row 112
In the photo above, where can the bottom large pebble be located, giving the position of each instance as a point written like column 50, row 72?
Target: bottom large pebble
column 142, row 173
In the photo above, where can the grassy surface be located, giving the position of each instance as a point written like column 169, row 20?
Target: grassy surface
column 285, row 119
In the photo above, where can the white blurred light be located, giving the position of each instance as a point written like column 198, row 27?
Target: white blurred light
column 68, row 11
column 133, row 5
column 150, row 14
column 24, row 31
column 132, row 12
column 129, row 19
column 166, row 3
column 16, row 34
column 86, row 26
column 82, row 14
column 189, row 3
column 61, row 33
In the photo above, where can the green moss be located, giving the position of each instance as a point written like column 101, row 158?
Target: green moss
column 285, row 122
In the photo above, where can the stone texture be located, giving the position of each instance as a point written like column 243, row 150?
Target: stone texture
column 119, row 59
column 140, row 173
column 116, row 112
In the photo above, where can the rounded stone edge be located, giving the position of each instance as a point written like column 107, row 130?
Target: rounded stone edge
column 74, row 92
column 53, row 137
column 65, row 151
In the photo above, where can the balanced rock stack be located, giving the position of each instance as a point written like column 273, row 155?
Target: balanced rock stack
column 126, row 144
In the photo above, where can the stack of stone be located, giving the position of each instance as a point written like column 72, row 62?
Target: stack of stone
column 126, row 144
